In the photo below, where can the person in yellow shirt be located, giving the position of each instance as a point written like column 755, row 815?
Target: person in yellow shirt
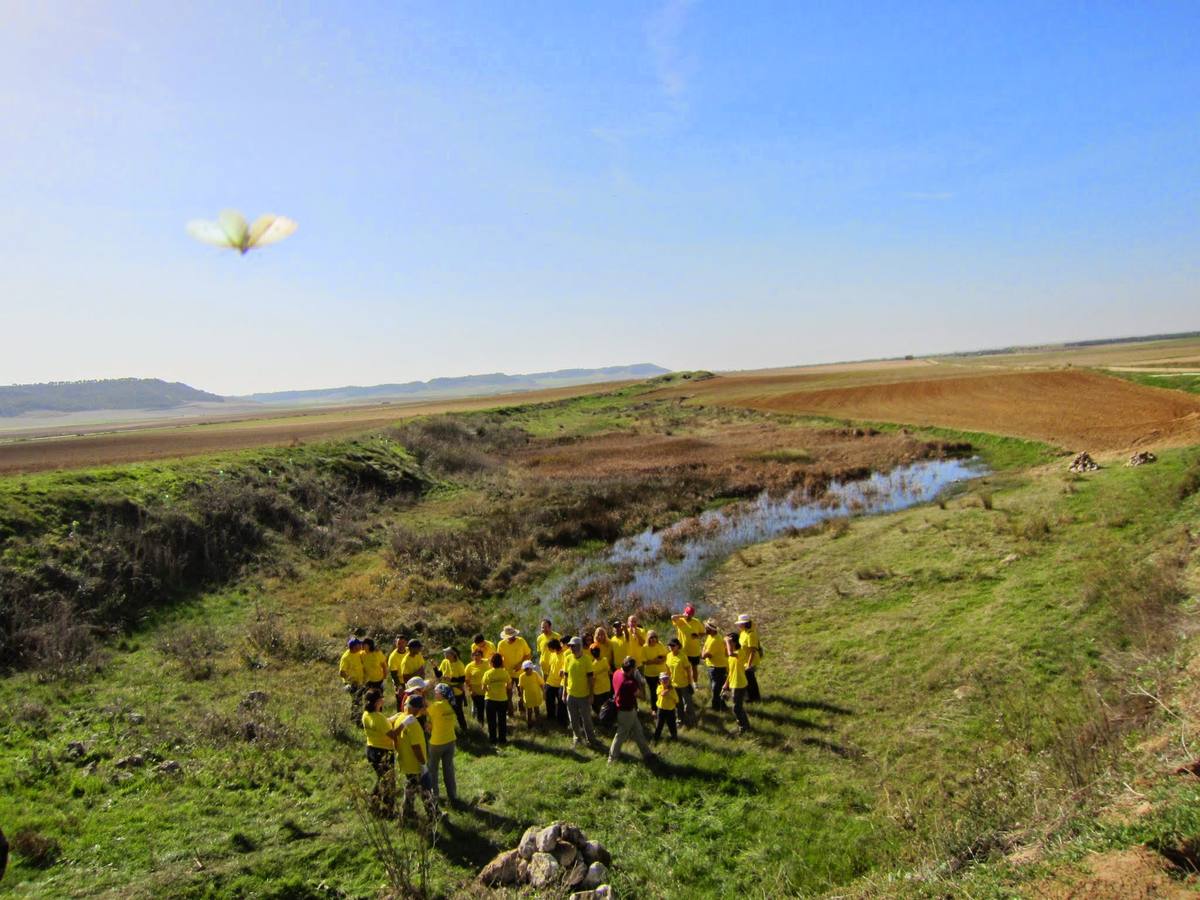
column 716, row 659
column 680, row 669
column 411, row 758
column 637, row 639
column 748, row 637
column 736, row 684
column 497, row 687
column 615, row 646
column 515, row 650
column 533, row 693
column 690, row 632
column 350, row 668
column 485, row 647
column 654, row 663
column 553, row 663
column 546, row 635
column 452, row 671
column 474, row 672
column 668, row 699
column 601, row 639
column 381, row 752
column 442, row 742
column 580, row 682
column 374, row 665
column 601, row 677
column 397, row 654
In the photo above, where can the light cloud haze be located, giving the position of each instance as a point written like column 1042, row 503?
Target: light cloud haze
column 486, row 187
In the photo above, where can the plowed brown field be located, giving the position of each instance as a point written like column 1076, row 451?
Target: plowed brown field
column 1073, row 409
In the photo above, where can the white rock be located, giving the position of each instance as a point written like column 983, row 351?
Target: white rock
column 547, row 838
column 528, row 845
column 597, row 874
column 544, row 870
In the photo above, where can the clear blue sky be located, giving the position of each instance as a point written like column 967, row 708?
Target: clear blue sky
column 527, row 186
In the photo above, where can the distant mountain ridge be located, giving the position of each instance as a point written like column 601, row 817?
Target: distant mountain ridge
column 109, row 393
column 495, row 382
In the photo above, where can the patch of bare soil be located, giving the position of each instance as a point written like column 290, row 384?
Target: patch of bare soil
column 1137, row 874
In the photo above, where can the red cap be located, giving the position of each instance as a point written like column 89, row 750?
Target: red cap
column 689, row 610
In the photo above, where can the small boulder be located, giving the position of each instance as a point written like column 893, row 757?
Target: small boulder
column 522, row 871
column 594, row 851
column 603, row 892
column 169, row 767
column 133, row 761
column 572, row 834
column 502, row 870
column 576, row 873
column 547, row 838
column 528, row 845
column 597, row 874
column 544, row 870
column 566, row 854
column 255, row 698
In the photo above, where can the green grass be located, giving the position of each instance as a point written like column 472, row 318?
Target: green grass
column 1189, row 383
column 909, row 716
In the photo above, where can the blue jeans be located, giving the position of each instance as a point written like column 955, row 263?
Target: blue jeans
column 716, row 681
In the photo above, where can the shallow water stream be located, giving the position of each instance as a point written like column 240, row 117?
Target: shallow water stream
column 668, row 567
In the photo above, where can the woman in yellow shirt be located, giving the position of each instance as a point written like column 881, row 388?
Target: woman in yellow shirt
column 749, row 638
column 452, row 671
column 553, row 664
column 716, row 659
column 374, row 665
column 442, row 741
column 602, row 672
column 680, row 669
column 690, row 632
column 600, row 639
column 496, row 685
column 380, row 733
column 737, row 683
column 668, row 699
column 411, row 759
column 533, row 694
column 474, row 672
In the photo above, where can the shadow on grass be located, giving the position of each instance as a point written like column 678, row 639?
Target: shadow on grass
column 821, row 705
column 754, row 712
column 670, row 769
column 465, row 846
column 834, row 748
column 536, row 747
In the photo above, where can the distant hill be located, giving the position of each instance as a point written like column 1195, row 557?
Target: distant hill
column 494, row 383
column 112, row 393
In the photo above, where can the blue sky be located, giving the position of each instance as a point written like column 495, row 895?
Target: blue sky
column 529, row 186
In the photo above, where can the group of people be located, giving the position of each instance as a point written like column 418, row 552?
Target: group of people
column 576, row 683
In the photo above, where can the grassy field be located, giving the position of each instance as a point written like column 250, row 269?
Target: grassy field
column 946, row 687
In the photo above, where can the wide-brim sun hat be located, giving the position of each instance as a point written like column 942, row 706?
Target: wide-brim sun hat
column 416, row 683
column 712, row 623
column 508, row 631
column 744, row 619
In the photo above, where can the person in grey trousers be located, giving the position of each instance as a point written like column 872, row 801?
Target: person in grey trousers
column 627, row 686
column 579, row 709
column 441, row 756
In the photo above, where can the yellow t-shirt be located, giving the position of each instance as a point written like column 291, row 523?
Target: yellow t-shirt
column 690, row 633
column 487, row 648
column 441, row 723
column 603, row 682
column 451, row 670
column 668, row 697
column 635, row 643
column 654, row 659
column 514, row 653
column 350, row 667
column 495, row 684
column 577, row 669
column 714, row 644
column 475, row 672
column 410, row 664
column 374, row 666
column 543, row 639
column 394, row 660
column 552, row 666
column 749, row 639
column 615, row 650
column 376, row 727
column 737, row 669
column 412, row 735
column 680, row 668
column 532, row 693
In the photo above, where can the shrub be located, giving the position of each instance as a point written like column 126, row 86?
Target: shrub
column 192, row 649
column 36, row 849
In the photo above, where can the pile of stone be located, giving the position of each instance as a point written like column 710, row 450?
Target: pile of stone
column 1141, row 458
column 553, row 858
column 1084, row 463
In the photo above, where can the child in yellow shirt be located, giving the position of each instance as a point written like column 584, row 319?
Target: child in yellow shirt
column 532, row 693
column 668, row 699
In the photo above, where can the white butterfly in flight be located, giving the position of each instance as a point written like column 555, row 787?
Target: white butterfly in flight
column 230, row 230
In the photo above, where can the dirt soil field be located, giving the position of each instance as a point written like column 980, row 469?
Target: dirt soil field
column 133, row 444
column 1073, row 409
column 1137, row 874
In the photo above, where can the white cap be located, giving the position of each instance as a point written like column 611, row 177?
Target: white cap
column 416, row 683
column 744, row 619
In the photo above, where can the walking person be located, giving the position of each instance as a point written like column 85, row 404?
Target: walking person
column 381, row 734
column 497, row 688
column 748, row 638
column 737, row 683
column 442, row 742
column 668, row 699
column 690, row 632
column 452, row 671
column 716, row 659
column 474, row 672
column 412, row 760
column 579, row 683
column 626, row 688
column 679, row 667
column 552, row 661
